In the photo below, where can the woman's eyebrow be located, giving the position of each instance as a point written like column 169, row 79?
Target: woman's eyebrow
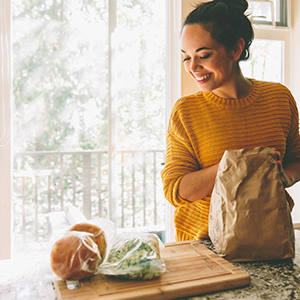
column 199, row 49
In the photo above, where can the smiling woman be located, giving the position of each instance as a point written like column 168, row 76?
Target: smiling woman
column 228, row 112
column 274, row 57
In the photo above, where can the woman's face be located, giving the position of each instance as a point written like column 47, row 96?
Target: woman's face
column 211, row 65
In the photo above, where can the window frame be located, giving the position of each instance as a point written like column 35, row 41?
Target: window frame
column 283, row 17
column 173, row 85
column 5, row 130
column 279, row 33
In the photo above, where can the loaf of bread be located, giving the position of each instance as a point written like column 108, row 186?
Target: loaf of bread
column 97, row 232
column 78, row 254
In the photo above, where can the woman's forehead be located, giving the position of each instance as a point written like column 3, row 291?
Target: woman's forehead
column 195, row 37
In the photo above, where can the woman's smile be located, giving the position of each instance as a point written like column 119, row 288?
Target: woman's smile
column 202, row 78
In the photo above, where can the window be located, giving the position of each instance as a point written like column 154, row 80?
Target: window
column 89, row 95
column 268, row 12
column 266, row 61
column 270, row 49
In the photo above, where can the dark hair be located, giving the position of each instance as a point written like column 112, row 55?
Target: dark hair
column 226, row 21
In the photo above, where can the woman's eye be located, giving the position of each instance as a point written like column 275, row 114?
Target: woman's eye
column 201, row 57
column 205, row 56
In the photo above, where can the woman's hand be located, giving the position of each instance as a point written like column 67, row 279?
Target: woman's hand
column 285, row 178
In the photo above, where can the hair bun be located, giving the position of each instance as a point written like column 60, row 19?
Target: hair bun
column 240, row 5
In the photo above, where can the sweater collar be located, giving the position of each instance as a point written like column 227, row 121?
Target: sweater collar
column 235, row 103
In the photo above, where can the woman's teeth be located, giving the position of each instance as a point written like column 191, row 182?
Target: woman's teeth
column 202, row 77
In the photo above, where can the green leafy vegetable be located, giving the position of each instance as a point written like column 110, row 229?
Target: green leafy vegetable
column 134, row 256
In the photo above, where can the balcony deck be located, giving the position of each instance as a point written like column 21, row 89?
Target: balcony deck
column 50, row 181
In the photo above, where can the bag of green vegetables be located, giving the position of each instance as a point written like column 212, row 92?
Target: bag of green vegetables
column 134, row 256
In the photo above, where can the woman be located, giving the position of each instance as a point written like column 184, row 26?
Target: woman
column 229, row 112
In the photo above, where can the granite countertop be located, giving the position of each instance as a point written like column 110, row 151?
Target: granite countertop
column 269, row 280
column 30, row 278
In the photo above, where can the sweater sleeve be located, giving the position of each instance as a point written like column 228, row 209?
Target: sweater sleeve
column 293, row 139
column 180, row 158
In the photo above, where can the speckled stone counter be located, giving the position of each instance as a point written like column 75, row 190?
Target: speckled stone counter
column 269, row 280
column 30, row 278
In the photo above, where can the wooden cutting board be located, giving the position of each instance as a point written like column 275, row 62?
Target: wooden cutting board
column 192, row 269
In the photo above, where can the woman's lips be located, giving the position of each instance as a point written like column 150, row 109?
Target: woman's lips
column 203, row 78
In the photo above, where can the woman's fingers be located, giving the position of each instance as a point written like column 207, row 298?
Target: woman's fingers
column 283, row 176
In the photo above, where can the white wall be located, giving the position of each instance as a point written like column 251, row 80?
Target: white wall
column 188, row 85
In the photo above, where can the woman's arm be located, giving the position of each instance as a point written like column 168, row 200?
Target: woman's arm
column 289, row 174
column 199, row 184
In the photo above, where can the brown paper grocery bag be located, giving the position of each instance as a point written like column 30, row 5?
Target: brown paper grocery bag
column 249, row 214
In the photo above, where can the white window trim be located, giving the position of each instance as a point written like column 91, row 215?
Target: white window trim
column 112, row 115
column 5, row 130
column 279, row 34
column 173, row 84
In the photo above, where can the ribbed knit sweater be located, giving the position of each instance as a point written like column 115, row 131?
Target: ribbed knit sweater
column 202, row 126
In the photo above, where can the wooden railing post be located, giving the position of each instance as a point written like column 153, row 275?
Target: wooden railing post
column 74, row 179
column 144, row 189
column 86, row 174
column 133, row 189
column 122, row 192
column 61, row 181
column 100, row 206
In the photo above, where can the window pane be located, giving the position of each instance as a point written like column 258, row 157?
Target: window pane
column 140, row 67
column 140, row 81
column 260, row 12
column 60, row 85
column 61, row 94
column 266, row 61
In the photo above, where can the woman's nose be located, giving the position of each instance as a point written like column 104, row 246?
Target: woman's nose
column 196, row 65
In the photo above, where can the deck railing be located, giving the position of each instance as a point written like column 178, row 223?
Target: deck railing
column 49, row 181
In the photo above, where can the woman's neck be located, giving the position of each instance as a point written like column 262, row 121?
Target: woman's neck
column 236, row 88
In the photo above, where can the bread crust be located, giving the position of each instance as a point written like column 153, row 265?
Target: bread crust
column 98, row 233
column 75, row 256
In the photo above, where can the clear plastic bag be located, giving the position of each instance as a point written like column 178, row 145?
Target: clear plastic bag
column 134, row 256
column 75, row 256
column 80, row 251
column 77, row 245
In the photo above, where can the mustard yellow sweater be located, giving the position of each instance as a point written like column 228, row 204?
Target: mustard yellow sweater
column 202, row 126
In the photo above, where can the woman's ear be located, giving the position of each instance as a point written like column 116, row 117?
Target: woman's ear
column 238, row 49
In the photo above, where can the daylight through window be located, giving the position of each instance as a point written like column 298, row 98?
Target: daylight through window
column 81, row 68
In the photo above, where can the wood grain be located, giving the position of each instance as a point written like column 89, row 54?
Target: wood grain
column 192, row 269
